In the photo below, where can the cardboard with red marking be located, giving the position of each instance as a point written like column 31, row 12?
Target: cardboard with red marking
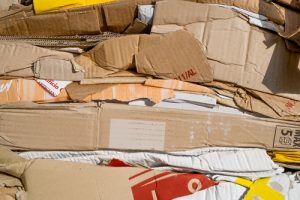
column 20, row 90
column 103, row 182
column 186, row 60
column 178, row 56
column 54, row 87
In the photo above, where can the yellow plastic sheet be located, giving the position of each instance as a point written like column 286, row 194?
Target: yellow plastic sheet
column 41, row 6
column 286, row 156
column 260, row 190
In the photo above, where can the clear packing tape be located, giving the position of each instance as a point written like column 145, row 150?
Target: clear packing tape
column 41, row 6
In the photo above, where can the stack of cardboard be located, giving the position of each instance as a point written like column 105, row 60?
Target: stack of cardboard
column 175, row 99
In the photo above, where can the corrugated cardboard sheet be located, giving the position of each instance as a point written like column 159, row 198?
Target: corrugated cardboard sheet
column 83, row 127
column 186, row 59
column 39, row 178
column 239, row 53
column 115, row 17
column 25, row 60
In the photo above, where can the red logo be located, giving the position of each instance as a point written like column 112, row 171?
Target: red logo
column 168, row 185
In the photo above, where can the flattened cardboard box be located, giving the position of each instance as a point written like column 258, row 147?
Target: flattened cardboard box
column 52, row 179
column 55, row 127
column 239, row 53
column 114, row 17
column 88, row 127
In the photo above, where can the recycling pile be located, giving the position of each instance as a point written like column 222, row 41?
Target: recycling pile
column 149, row 99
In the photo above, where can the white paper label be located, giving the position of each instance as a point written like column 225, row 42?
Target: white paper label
column 52, row 86
column 137, row 134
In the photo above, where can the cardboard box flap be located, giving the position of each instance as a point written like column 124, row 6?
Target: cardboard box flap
column 16, row 56
column 12, row 164
column 58, row 69
column 9, row 181
column 88, row 20
column 115, row 54
column 174, row 12
column 116, row 13
column 91, row 69
column 186, row 59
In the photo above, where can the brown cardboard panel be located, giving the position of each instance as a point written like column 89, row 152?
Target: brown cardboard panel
column 239, row 53
column 177, row 56
column 69, row 22
column 186, row 59
column 51, row 179
column 70, row 127
column 170, row 129
column 89, row 20
column 20, row 59
column 52, row 127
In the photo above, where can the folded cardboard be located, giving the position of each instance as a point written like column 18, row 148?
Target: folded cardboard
column 119, row 92
column 186, row 60
column 178, row 55
column 88, row 127
column 239, row 53
column 89, row 20
column 26, row 60
column 51, row 179
column 258, row 102
column 27, row 90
